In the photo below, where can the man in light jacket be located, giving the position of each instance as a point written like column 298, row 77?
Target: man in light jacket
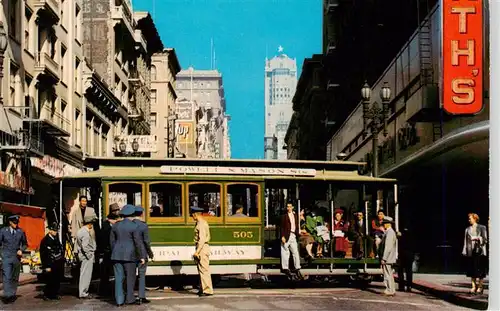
column 389, row 255
column 85, row 249
column 77, row 218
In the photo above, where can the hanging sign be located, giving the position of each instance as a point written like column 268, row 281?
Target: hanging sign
column 462, row 50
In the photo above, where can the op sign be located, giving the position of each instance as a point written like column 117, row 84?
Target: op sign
column 462, row 56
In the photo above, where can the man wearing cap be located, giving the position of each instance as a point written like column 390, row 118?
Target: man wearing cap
column 389, row 255
column 125, row 248
column 202, row 252
column 289, row 235
column 12, row 242
column 106, row 265
column 142, row 227
column 85, row 249
column 52, row 256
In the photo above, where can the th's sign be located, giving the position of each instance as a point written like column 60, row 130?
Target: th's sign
column 462, row 56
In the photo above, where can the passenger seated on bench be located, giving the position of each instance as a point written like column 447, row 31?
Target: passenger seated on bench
column 316, row 228
column 340, row 228
column 306, row 240
column 239, row 211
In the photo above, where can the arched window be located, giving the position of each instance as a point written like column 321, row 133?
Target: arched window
column 153, row 73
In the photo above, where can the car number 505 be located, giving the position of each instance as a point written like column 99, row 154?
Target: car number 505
column 243, row 234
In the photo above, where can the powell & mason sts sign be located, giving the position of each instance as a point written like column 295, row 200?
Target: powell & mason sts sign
column 216, row 170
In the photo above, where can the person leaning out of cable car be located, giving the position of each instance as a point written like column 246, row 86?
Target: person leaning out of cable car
column 475, row 241
column 340, row 228
column 52, row 256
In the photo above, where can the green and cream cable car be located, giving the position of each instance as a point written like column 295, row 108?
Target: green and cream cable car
column 243, row 201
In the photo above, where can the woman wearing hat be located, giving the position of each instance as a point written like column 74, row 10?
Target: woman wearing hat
column 52, row 256
column 340, row 228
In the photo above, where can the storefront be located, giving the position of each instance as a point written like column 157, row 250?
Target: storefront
column 15, row 198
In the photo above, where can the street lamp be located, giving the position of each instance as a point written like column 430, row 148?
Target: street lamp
column 3, row 47
column 377, row 116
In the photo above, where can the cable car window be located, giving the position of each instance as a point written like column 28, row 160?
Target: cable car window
column 165, row 200
column 206, row 196
column 242, row 200
column 125, row 193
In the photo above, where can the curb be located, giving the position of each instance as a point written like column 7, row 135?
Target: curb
column 29, row 280
column 450, row 296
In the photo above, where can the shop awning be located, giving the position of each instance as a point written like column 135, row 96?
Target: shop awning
column 22, row 210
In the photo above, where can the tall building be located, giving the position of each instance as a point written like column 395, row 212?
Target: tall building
column 280, row 83
column 441, row 160
column 119, row 44
column 206, row 89
column 41, row 90
column 164, row 69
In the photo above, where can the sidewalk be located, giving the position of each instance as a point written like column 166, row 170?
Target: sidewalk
column 452, row 288
column 24, row 278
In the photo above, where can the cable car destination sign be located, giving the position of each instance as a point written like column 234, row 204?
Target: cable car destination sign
column 218, row 170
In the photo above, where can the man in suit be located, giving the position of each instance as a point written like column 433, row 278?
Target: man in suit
column 85, row 250
column 358, row 227
column 77, row 219
column 389, row 255
column 126, row 250
column 106, row 265
column 12, row 242
column 289, row 230
column 142, row 227
column 406, row 255
column 202, row 252
column 52, row 256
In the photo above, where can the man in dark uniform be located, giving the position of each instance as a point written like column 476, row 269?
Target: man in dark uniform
column 52, row 256
column 106, row 265
column 142, row 227
column 125, row 245
column 406, row 255
column 13, row 242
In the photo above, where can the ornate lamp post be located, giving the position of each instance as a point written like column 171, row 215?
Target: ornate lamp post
column 377, row 116
column 3, row 47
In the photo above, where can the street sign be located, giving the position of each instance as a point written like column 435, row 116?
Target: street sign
column 462, row 50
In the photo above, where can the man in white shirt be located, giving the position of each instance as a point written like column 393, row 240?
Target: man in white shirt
column 289, row 236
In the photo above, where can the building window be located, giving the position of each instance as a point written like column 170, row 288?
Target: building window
column 27, row 18
column 153, row 73
column 152, row 119
column 77, row 24
column 14, row 71
column 13, row 17
column 63, row 17
column 153, row 97
column 64, row 111
column 78, row 128
column 63, row 62
column 77, row 75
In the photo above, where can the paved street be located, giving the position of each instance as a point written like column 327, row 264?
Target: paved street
column 247, row 299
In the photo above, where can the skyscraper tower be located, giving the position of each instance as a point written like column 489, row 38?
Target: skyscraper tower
column 279, row 89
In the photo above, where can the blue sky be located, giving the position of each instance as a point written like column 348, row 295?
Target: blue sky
column 242, row 31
